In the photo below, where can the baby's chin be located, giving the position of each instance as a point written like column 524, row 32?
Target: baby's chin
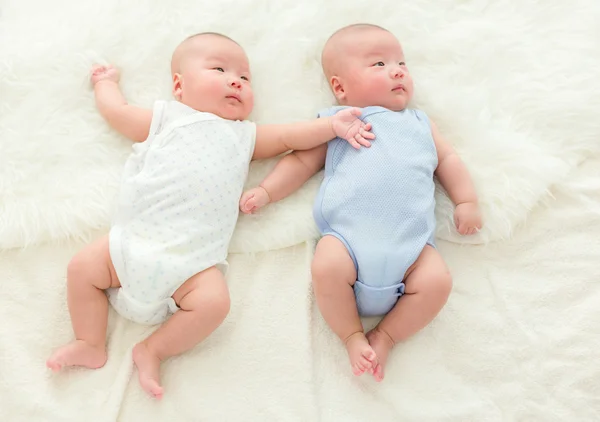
column 235, row 112
column 231, row 113
column 393, row 104
column 223, row 111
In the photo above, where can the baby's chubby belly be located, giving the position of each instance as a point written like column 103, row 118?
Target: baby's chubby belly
column 367, row 186
column 178, row 198
column 376, row 195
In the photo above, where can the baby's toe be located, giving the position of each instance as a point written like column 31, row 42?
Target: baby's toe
column 378, row 373
column 370, row 355
column 365, row 363
column 356, row 370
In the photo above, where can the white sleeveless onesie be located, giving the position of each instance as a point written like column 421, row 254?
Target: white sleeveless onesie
column 177, row 207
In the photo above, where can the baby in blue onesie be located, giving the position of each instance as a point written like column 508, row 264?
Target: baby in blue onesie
column 375, row 207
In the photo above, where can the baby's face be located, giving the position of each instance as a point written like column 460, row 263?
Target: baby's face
column 372, row 71
column 214, row 77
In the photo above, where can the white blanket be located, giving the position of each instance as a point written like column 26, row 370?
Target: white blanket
column 513, row 85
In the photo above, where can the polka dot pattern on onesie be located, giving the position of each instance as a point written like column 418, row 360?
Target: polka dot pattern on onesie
column 178, row 206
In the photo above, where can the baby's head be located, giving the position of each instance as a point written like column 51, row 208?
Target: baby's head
column 211, row 73
column 365, row 66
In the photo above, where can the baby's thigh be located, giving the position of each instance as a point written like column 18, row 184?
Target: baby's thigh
column 93, row 265
column 428, row 273
column 332, row 262
column 207, row 286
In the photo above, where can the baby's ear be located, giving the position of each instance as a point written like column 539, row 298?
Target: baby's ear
column 337, row 88
column 177, row 85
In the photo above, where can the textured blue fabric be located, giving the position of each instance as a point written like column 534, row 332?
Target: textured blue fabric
column 379, row 201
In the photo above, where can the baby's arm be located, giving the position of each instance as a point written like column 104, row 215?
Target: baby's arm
column 454, row 177
column 272, row 140
column 131, row 121
column 289, row 175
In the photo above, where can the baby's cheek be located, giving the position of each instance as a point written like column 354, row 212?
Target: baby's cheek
column 380, row 86
column 410, row 85
column 249, row 103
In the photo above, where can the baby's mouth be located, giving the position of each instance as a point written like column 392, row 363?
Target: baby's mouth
column 399, row 88
column 235, row 97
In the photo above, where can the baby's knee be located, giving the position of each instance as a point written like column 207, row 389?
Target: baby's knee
column 319, row 270
column 223, row 304
column 78, row 268
column 216, row 300
column 441, row 284
column 220, row 305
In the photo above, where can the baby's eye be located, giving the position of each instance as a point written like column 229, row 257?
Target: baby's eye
column 379, row 64
column 245, row 78
column 219, row 69
column 402, row 63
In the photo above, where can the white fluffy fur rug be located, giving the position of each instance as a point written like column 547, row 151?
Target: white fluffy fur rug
column 514, row 85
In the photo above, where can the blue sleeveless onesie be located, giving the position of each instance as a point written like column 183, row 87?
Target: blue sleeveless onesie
column 379, row 202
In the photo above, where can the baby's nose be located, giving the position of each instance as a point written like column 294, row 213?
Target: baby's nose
column 397, row 73
column 236, row 83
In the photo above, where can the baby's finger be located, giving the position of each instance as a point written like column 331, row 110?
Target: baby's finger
column 251, row 203
column 362, row 141
column 367, row 135
column 352, row 141
column 245, row 197
column 365, row 130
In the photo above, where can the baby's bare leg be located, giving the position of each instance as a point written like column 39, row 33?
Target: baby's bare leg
column 334, row 275
column 89, row 273
column 428, row 284
column 204, row 303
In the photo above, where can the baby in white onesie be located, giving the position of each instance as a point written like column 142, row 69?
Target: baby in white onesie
column 164, row 258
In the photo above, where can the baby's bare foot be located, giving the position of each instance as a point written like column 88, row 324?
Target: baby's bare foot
column 77, row 353
column 362, row 357
column 381, row 344
column 148, row 366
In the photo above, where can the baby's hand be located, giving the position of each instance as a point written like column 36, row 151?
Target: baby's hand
column 348, row 126
column 101, row 73
column 467, row 218
column 254, row 199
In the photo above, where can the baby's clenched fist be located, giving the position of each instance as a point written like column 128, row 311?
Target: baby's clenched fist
column 104, row 73
column 254, row 199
